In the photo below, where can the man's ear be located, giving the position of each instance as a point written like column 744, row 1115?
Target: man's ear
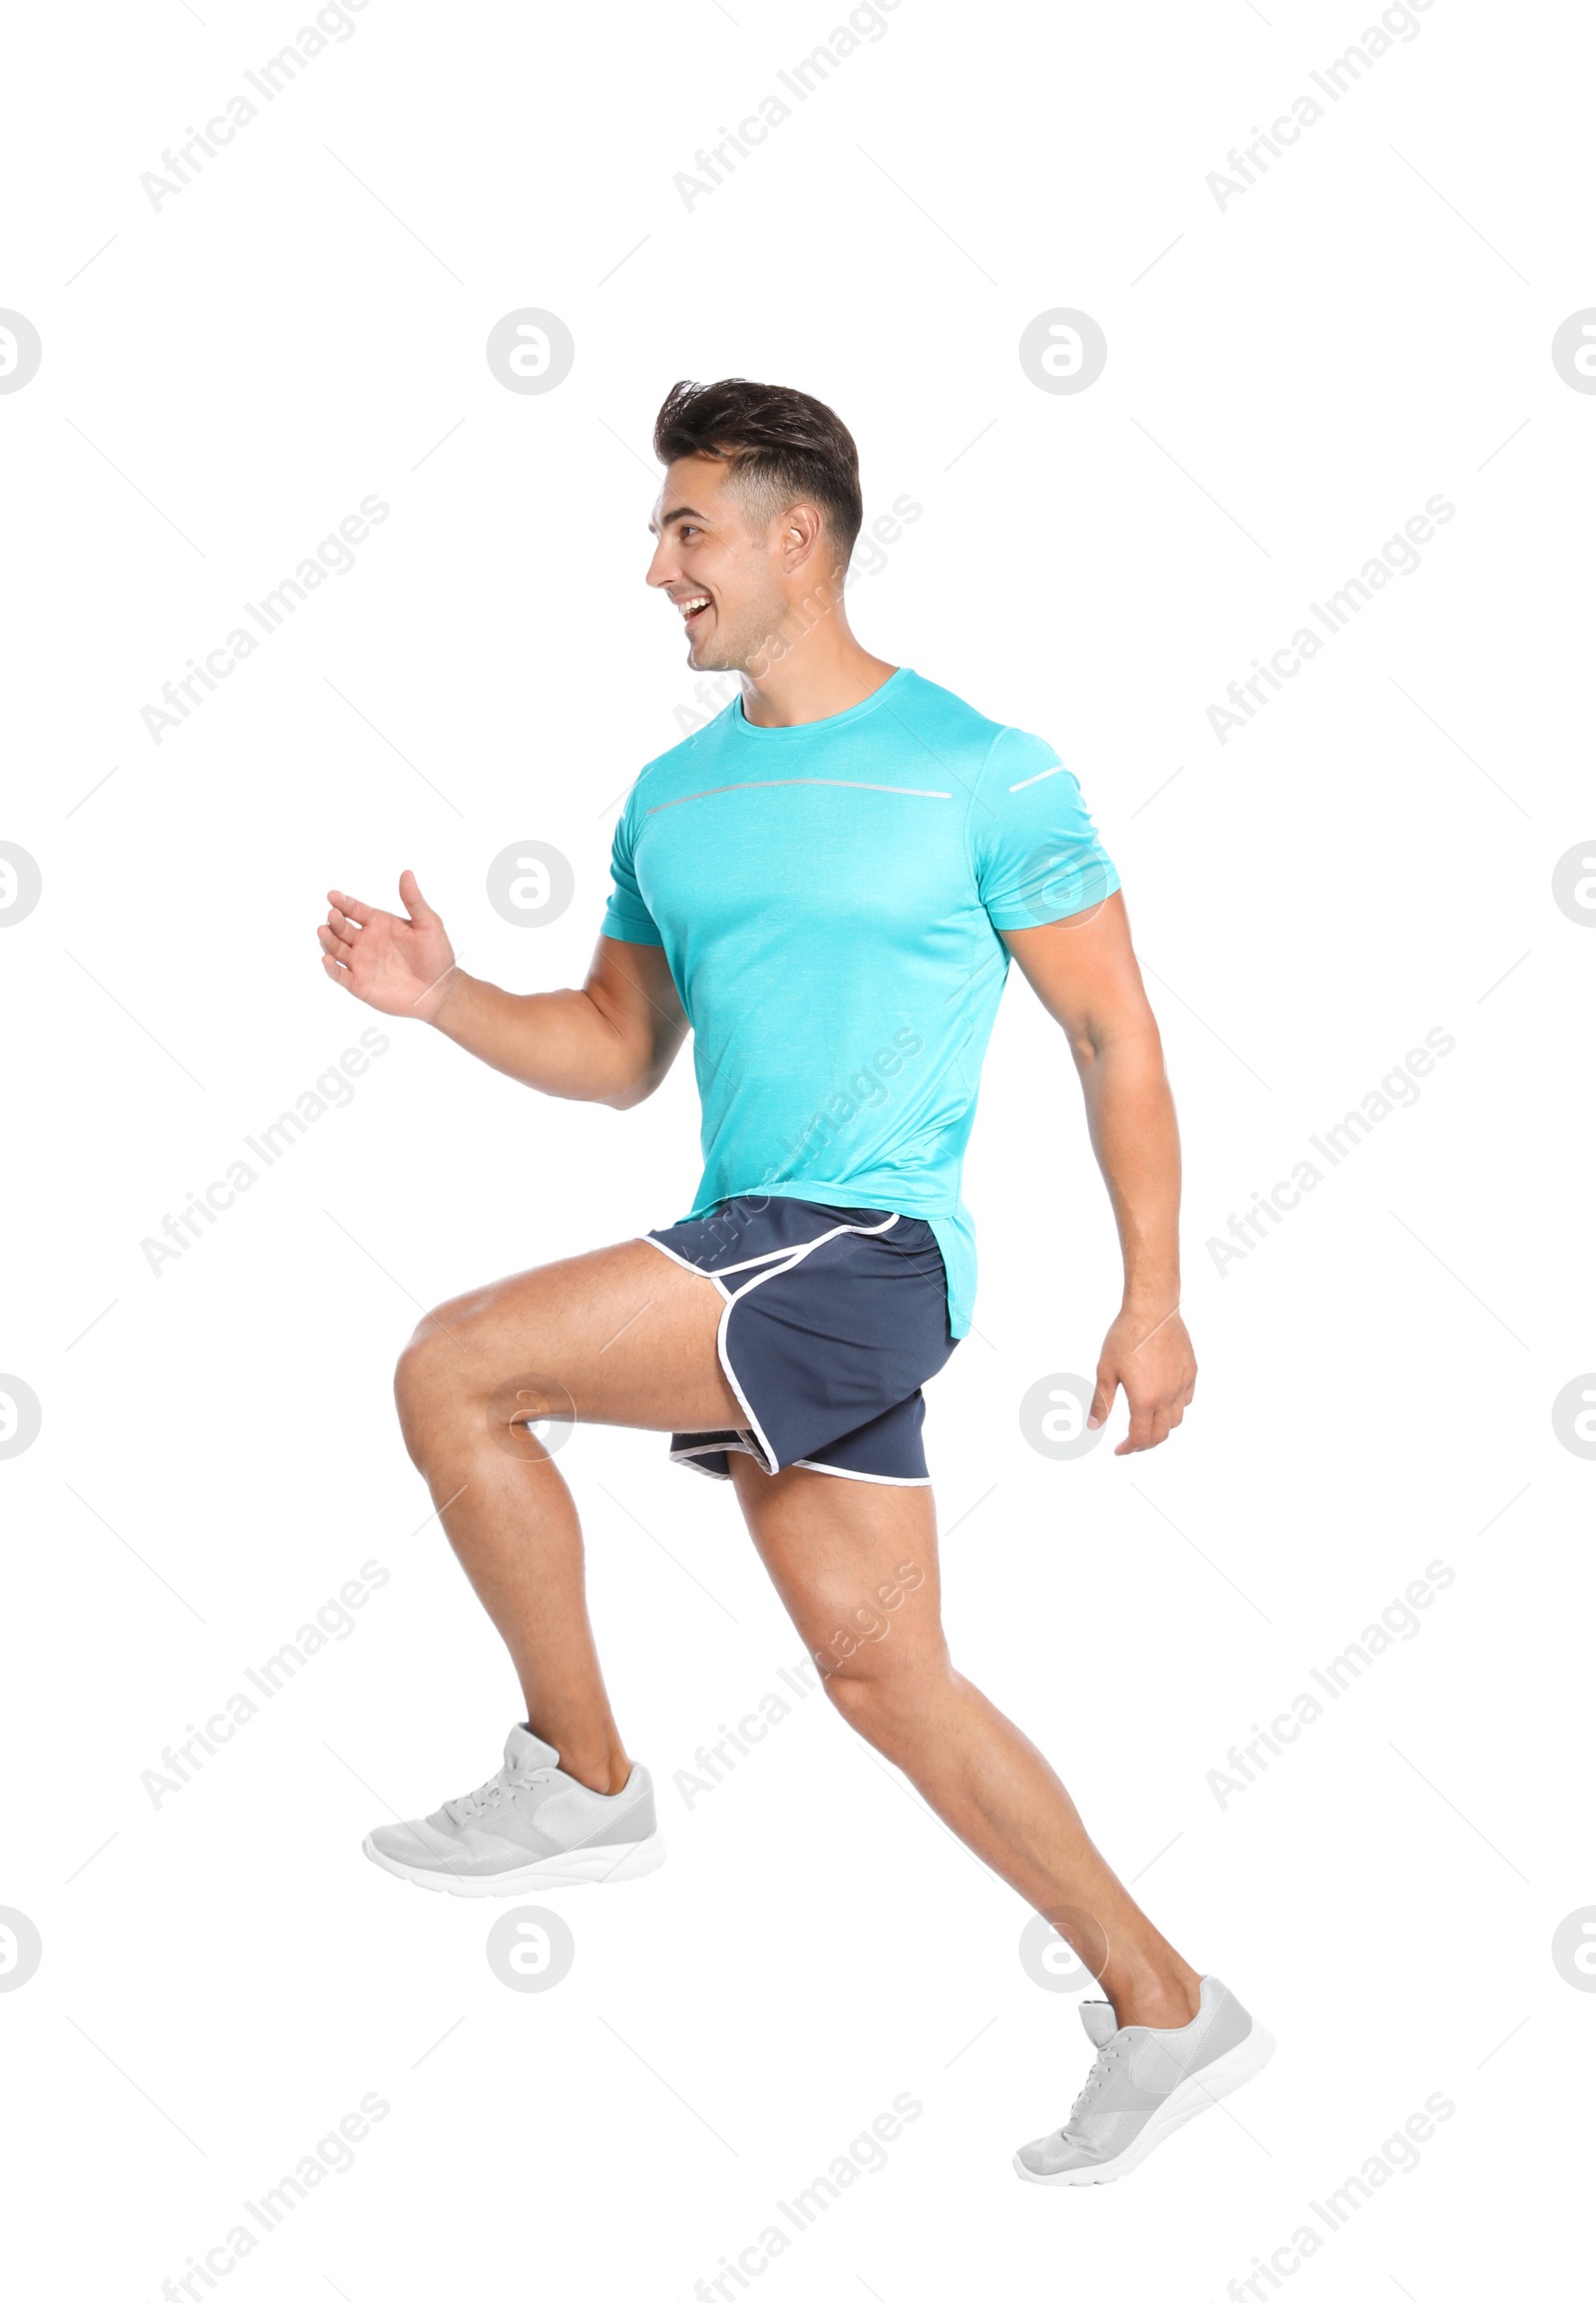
column 801, row 530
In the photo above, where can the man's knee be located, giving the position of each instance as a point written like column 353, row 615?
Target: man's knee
column 430, row 1380
column 858, row 1695
column 881, row 1696
column 877, row 1644
column 459, row 1370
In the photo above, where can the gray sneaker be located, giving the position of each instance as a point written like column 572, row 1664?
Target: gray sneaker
column 1144, row 2085
column 531, row 1825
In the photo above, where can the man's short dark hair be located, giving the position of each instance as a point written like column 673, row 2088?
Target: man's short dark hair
column 781, row 446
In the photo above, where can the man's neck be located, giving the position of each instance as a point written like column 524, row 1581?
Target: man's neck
column 825, row 673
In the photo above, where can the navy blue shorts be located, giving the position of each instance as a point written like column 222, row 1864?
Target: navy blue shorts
column 834, row 1319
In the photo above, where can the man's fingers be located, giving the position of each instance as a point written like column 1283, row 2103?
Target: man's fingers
column 1149, row 1427
column 413, row 899
column 1139, row 1434
column 361, row 914
column 338, row 975
column 346, row 930
column 1101, row 1399
column 332, row 942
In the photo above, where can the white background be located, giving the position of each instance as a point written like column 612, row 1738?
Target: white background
column 225, row 1976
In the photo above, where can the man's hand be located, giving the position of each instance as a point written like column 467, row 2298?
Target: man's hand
column 1152, row 1357
column 399, row 966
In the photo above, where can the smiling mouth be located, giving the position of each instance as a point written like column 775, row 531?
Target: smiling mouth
column 694, row 607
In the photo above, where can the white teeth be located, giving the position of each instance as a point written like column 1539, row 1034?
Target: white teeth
column 687, row 606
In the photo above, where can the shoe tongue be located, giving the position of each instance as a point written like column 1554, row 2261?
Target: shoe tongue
column 1098, row 2017
column 525, row 1750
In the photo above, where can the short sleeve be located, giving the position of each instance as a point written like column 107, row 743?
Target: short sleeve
column 627, row 917
column 1034, row 849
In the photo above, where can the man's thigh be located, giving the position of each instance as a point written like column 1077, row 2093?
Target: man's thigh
column 620, row 1336
column 855, row 1564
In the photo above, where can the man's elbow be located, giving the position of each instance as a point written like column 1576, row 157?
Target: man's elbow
column 632, row 1047
column 637, row 1082
column 1128, row 1033
column 623, row 1098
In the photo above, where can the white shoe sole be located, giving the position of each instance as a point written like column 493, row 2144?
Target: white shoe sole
column 580, row 1867
column 1198, row 2094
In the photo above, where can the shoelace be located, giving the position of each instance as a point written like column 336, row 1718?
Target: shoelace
column 1106, row 2059
column 496, row 1788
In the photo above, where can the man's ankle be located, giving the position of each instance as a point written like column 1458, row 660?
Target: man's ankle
column 1160, row 2002
column 603, row 1772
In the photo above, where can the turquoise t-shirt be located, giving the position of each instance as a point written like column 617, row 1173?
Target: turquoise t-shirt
column 828, row 898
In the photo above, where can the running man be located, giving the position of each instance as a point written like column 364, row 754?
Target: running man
column 826, row 884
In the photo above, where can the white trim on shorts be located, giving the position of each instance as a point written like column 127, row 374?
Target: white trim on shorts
column 873, row 1478
column 779, row 1260
column 736, row 1444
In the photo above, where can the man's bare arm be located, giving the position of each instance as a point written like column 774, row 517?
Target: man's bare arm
column 1085, row 972
column 611, row 1041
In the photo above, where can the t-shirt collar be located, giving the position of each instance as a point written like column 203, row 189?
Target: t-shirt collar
column 893, row 685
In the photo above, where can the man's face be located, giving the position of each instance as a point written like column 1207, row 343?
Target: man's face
column 710, row 552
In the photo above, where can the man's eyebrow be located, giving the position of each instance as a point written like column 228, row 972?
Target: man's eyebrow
column 676, row 512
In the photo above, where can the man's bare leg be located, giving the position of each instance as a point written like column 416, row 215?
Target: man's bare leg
column 834, row 1547
column 622, row 1335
